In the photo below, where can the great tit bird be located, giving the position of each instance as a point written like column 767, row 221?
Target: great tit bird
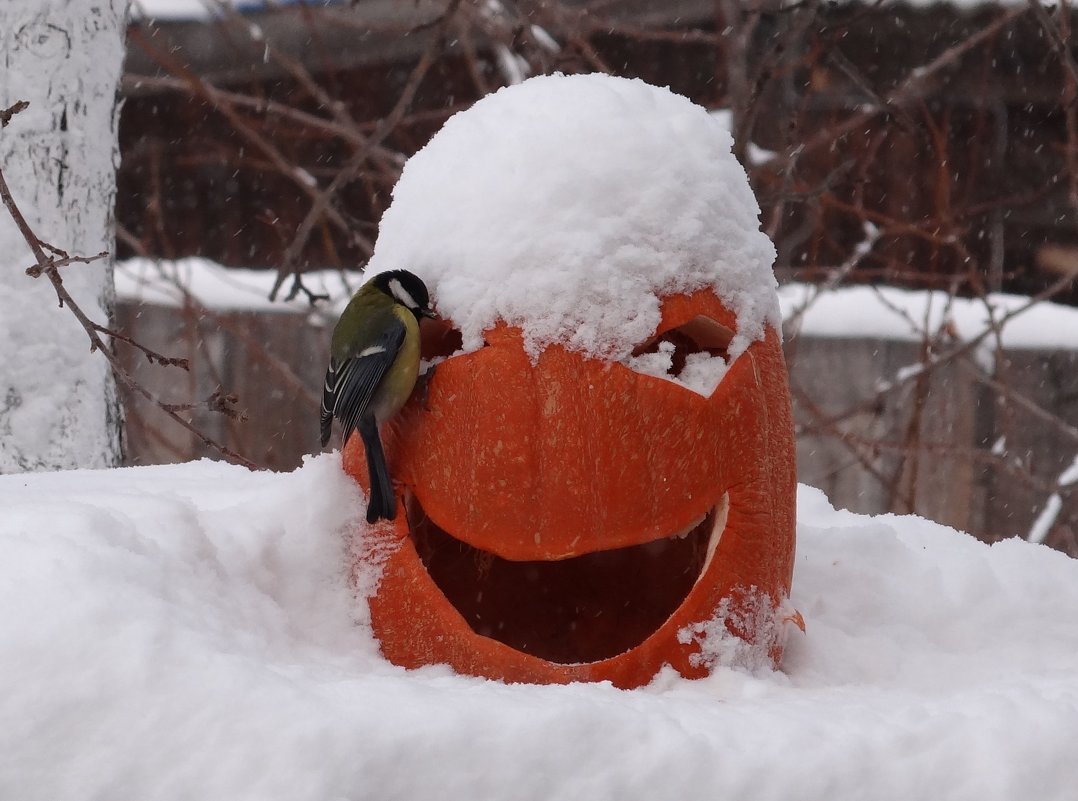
column 373, row 366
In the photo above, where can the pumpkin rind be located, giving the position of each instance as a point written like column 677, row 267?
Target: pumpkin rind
column 572, row 455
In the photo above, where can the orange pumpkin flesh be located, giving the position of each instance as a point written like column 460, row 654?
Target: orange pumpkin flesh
column 565, row 520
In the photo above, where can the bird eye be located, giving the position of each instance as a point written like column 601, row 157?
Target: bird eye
column 701, row 334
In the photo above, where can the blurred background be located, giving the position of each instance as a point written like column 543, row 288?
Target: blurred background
column 916, row 166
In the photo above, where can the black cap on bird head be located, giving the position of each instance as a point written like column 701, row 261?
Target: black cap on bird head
column 407, row 289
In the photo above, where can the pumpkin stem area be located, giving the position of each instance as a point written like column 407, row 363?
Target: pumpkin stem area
column 571, row 611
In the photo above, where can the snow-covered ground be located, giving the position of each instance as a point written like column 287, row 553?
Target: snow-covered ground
column 189, row 631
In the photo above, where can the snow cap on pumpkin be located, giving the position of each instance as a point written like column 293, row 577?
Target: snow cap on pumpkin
column 568, row 205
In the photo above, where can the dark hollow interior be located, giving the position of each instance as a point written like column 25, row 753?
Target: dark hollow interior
column 570, row 611
column 700, row 334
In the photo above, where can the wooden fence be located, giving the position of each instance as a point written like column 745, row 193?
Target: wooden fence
column 980, row 453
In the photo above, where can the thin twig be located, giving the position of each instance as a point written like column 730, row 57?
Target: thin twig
column 912, row 88
column 152, row 356
column 96, row 343
column 9, row 112
column 35, row 270
column 321, row 201
column 955, row 352
column 300, row 177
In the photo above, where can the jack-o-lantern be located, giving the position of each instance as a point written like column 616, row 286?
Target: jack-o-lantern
column 598, row 477
column 571, row 519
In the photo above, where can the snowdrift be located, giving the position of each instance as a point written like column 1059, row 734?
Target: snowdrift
column 189, row 631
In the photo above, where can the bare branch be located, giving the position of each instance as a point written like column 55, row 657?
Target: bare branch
column 50, row 269
column 9, row 112
column 300, row 177
column 348, row 172
column 35, row 270
column 152, row 356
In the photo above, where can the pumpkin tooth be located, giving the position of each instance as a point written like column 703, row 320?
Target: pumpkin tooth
column 720, row 512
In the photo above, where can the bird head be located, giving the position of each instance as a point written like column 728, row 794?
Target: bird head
column 407, row 289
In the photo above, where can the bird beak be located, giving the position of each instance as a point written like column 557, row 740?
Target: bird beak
column 429, row 313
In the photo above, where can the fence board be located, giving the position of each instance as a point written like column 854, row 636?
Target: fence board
column 926, row 447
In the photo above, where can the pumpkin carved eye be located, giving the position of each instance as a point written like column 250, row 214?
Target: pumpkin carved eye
column 701, row 334
column 694, row 353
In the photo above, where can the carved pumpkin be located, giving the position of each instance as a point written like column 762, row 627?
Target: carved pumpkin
column 570, row 519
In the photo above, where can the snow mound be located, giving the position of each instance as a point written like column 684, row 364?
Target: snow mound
column 567, row 205
column 189, row 631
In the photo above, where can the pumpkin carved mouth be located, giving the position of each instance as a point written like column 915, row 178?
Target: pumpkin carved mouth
column 575, row 610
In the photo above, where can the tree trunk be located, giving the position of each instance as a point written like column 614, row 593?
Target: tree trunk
column 58, row 403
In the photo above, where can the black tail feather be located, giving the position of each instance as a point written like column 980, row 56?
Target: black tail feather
column 383, row 502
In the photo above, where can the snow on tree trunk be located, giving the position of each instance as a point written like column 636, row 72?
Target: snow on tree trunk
column 58, row 402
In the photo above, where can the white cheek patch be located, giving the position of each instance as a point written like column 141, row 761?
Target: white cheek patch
column 401, row 294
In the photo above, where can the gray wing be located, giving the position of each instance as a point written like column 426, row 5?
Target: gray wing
column 351, row 383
